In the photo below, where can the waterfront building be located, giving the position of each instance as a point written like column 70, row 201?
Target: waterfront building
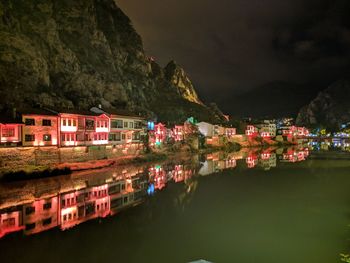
column 125, row 127
column 79, row 128
column 10, row 131
column 267, row 130
column 40, row 128
column 251, row 131
column 10, row 220
column 158, row 135
column 40, row 215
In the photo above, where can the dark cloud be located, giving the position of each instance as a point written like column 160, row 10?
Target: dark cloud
column 233, row 46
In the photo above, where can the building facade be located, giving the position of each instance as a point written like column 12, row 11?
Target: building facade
column 40, row 128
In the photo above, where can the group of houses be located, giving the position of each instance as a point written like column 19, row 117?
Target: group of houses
column 87, row 200
column 44, row 127
column 70, row 128
column 269, row 129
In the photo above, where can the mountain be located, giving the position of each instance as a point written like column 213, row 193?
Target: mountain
column 330, row 109
column 274, row 99
column 81, row 53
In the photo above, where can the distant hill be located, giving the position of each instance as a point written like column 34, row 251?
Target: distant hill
column 329, row 109
column 81, row 53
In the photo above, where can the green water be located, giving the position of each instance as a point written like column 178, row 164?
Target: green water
column 294, row 213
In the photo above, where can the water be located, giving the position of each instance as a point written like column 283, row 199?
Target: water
column 289, row 207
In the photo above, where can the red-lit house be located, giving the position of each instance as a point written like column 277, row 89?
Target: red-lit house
column 178, row 133
column 158, row 135
column 230, row 132
column 296, row 155
column 10, row 131
column 40, row 128
column 10, row 221
column 302, row 131
column 84, row 204
column 40, row 215
column 252, row 161
column 158, row 176
column 83, row 128
column 251, row 131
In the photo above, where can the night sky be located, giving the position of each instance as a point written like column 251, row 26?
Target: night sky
column 234, row 49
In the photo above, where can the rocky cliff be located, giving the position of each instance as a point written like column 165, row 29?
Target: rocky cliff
column 77, row 54
column 330, row 109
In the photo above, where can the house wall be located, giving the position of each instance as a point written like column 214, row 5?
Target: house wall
column 38, row 130
column 16, row 138
column 126, row 132
column 206, row 129
column 42, row 218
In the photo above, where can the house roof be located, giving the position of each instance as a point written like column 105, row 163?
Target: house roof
column 124, row 113
column 8, row 119
column 78, row 112
column 37, row 111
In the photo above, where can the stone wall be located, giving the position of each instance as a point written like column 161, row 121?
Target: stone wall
column 17, row 158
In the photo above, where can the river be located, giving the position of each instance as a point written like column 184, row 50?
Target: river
column 285, row 205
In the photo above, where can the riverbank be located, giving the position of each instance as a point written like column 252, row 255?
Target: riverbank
column 36, row 162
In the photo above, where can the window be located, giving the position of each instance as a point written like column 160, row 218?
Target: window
column 8, row 132
column 123, row 136
column 29, row 122
column 115, row 136
column 47, row 221
column 74, row 122
column 125, row 199
column 117, row 124
column 9, row 222
column 47, row 206
column 63, row 203
column 69, row 122
column 90, row 124
column 47, row 137
column 30, row 226
column 138, row 125
column 125, row 124
column 30, row 210
column 29, row 137
column 136, row 136
column 131, row 125
column 46, row 122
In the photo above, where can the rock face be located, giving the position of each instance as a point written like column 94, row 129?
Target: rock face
column 77, row 54
column 179, row 79
column 330, row 109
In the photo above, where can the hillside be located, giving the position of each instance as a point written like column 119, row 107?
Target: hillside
column 78, row 54
column 330, row 109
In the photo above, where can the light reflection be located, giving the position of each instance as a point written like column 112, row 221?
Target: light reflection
column 106, row 194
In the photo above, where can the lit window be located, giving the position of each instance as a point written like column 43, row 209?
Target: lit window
column 47, row 138
column 8, row 132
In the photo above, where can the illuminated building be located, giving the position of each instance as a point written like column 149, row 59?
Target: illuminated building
column 158, row 135
column 40, row 128
column 251, row 131
column 10, row 131
column 83, row 128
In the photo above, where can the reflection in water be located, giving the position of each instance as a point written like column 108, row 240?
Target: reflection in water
column 68, row 201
